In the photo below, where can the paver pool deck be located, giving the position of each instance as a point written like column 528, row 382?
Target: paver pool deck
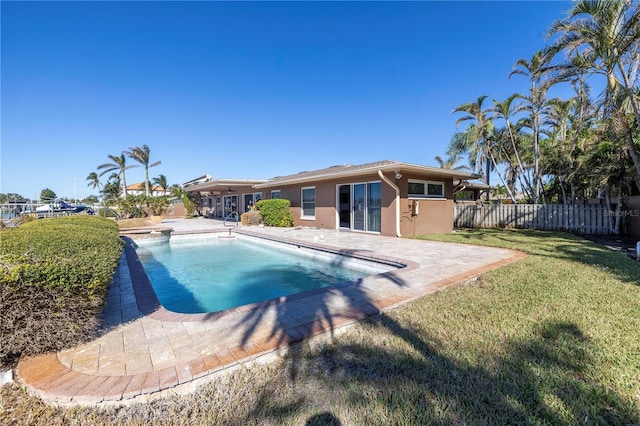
column 145, row 351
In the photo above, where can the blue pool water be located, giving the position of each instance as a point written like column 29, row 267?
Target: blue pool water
column 210, row 275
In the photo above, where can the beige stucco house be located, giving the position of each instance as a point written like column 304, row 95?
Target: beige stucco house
column 386, row 197
column 139, row 189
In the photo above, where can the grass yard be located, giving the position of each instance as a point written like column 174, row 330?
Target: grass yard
column 551, row 339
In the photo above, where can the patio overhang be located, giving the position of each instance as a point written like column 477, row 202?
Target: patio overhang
column 223, row 186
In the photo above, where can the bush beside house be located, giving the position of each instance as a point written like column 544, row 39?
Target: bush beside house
column 275, row 212
column 55, row 274
column 252, row 217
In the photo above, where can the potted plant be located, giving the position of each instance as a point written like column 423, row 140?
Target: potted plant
column 156, row 207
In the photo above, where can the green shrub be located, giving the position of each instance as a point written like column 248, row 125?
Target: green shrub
column 275, row 212
column 157, row 206
column 253, row 217
column 55, row 274
column 134, row 206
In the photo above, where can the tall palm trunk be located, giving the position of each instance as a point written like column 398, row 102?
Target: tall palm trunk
column 495, row 165
column 515, row 150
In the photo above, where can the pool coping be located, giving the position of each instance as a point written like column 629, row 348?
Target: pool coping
column 51, row 380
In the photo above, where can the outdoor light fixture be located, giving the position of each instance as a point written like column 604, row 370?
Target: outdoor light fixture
column 398, row 175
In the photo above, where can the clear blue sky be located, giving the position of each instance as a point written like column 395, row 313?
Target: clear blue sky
column 246, row 89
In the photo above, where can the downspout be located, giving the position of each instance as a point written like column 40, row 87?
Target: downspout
column 394, row 186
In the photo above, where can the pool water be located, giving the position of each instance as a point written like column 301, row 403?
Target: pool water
column 214, row 274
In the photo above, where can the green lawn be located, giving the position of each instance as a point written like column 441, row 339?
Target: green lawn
column 551, row 339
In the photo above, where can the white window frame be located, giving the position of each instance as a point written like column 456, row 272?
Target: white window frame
column 302, row 215
column 276, row 191
column 426, row 188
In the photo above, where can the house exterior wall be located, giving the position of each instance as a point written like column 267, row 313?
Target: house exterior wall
column 176, row 210
column 213, row 207
column 434, row 215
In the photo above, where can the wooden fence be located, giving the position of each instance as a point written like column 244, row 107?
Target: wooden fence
column 580, row 219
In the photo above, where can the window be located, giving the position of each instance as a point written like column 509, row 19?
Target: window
column 309, row 203
column 424, row 188
column 275, row 194
column 250, row 200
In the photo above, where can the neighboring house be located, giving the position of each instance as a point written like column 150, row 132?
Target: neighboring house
column 139, row 189
column 385, row 197
column 469, row 191
column 197, row 181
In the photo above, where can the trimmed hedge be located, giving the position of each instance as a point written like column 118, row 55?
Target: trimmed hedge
column 275, row 212
column 55, row 274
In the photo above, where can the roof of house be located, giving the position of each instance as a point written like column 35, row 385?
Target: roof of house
column 219, row 184
column 139, row 186
column 348, row 170
column 473, row 185
column 199, row 179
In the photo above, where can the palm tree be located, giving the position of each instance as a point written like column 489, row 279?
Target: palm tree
column 94, row 181
column 141, row 154
column 119, row 165
column 450, row 162
column 601, row 37
column 477, row 136
column 558, row 118
column 161, row 181
column 505, row 110
column 535, row 102
column 582, row 125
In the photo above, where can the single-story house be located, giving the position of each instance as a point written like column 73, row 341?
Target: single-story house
column 139, row 189
column 466, row 191
column 386, row 197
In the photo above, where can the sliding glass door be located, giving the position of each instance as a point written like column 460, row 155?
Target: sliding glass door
column 230, row 204
column 344, row 206
column 359, row 206
column 374, row 206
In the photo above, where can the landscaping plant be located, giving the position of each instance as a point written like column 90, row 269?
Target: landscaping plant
column 55, row 274
column 275, row 212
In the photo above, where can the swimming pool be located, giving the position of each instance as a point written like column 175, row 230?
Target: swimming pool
column 209, row 274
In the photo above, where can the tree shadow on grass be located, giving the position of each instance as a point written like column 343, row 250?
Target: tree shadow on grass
column 544, row 379
column 541, row 378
